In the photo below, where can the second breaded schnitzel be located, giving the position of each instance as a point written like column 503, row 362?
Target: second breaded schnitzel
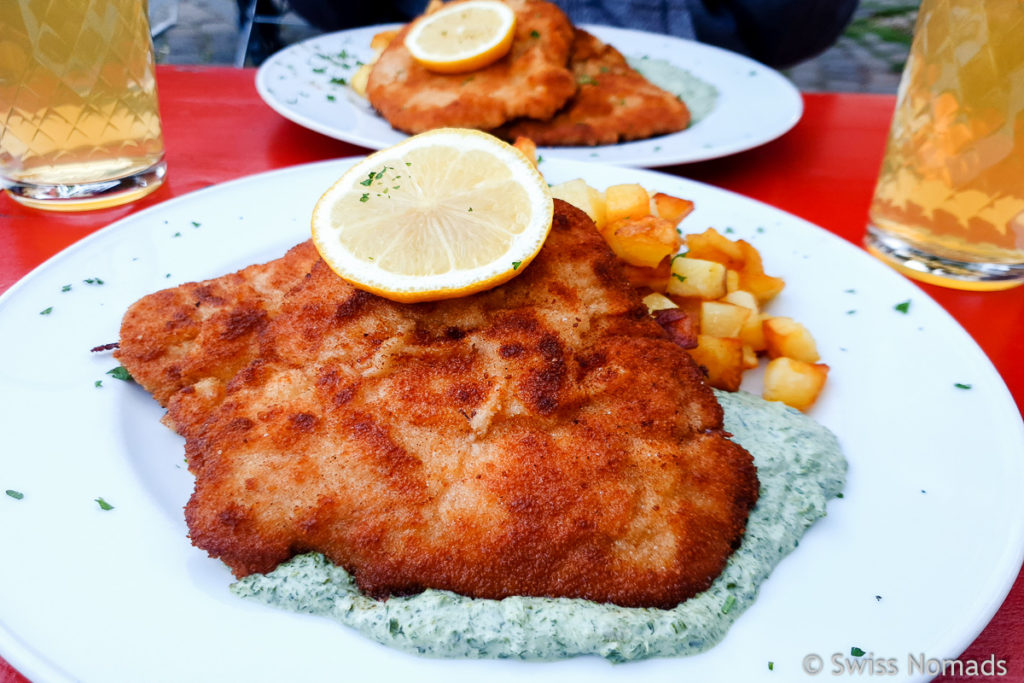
column 614, row 103
column 541, row 438
column 533, row 79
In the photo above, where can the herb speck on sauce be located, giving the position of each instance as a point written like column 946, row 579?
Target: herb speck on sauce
column 800, row 468
column 903, row 307
column 16, row 495
column 104, row 505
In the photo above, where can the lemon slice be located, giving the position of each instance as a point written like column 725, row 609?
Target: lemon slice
column 442, row 214
column 463, row 36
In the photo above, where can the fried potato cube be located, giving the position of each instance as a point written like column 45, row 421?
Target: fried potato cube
column 721, row 359
column 795, row 383
column 732, row 280
column 711, row 245
column 644, row 241
column 360, row 78
column 697, row 277
column 749, row 357
column 380, row 41
column 752, row 275
column 627, row 201
column 528, row 147
column 743, row 298
column 722, row 319
column 681, row 326
column 583, row 197
column 659, row 302
column 784, row 337
column 672, row 209
column 752, row 332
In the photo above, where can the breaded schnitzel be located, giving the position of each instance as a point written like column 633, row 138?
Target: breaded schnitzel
column 541, row 438
column 614, row 103
column 531, row 80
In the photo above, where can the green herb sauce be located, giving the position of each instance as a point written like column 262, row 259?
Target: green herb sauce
column 699, row 96
column 800, row 467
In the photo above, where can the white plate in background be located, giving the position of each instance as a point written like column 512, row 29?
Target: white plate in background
column 755, row 103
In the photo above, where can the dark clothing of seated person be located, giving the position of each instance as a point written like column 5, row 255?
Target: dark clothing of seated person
column 779, row 33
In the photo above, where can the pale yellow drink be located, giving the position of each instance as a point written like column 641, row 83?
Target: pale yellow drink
column 949, row 205
column 80, row 126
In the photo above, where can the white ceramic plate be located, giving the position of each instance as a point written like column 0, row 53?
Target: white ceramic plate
column 755, row 104
column 932, row 520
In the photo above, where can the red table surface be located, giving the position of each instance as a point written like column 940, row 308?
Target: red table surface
column 216, row 128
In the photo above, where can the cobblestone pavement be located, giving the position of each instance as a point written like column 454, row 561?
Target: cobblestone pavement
column 867, row 58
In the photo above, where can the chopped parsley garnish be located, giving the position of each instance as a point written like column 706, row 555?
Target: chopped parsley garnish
column 851, row 311
column 471, row 209
column 99, row 383
column 320, row 69
column 850, row 291
column 339, row 81
column 177, row 234
column 332, row 98
column 196, row 224
column 729, row 602
column 903, row 307
column 539, row 158
column 120, row 373
column 771, row 666
column 365, row 197
column 584, row 79
column 16, row 495
column 66, row 288
column 878, row 598
column 960, row 385
column 760, row 229
column 729, row 231
column 46, row 311
column 516, row 264
column 840, row 495
column 681, row 278
column 104, row 505
column 856, row 652
column 535, row 33
column 93, row 281
column 683, row 255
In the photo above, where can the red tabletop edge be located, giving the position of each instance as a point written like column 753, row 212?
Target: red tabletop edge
column 216, row 128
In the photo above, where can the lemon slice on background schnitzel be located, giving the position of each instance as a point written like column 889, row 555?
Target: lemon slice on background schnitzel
column 440, row 215
column 463, row 36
